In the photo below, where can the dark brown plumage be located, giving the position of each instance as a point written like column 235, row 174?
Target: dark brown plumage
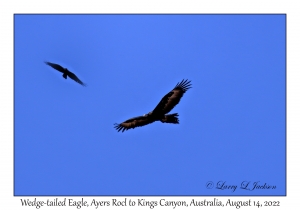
column 167, row 103
column 66, row 72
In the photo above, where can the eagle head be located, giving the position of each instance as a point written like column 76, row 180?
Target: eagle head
column 146, row 115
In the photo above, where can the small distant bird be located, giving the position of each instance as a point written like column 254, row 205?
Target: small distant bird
column 65, row 72
column 167, row 103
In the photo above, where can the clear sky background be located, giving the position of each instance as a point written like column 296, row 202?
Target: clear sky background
column 232, row 121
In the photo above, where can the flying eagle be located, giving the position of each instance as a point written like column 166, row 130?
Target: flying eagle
column 66, row 72
column 167, row 103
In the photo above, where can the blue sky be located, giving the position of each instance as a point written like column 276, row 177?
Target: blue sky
column 232, row 121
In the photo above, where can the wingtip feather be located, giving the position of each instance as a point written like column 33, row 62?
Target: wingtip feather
column 185, row 84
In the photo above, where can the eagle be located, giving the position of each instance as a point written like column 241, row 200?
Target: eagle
column 159, row 113
column 66, row 72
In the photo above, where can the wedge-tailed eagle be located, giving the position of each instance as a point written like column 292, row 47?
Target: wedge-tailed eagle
column 167, row 103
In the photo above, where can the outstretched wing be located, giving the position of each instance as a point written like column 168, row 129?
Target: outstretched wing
column 132, row 123
column 56, row 66
column 169, row 101
column 75, row 78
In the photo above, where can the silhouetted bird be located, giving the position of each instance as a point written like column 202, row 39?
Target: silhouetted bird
column 167, row 103
column 65, row 72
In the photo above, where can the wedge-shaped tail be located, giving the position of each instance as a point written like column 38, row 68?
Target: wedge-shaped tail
column 170, row 118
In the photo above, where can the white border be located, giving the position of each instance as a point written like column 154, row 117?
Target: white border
column 8, row 8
